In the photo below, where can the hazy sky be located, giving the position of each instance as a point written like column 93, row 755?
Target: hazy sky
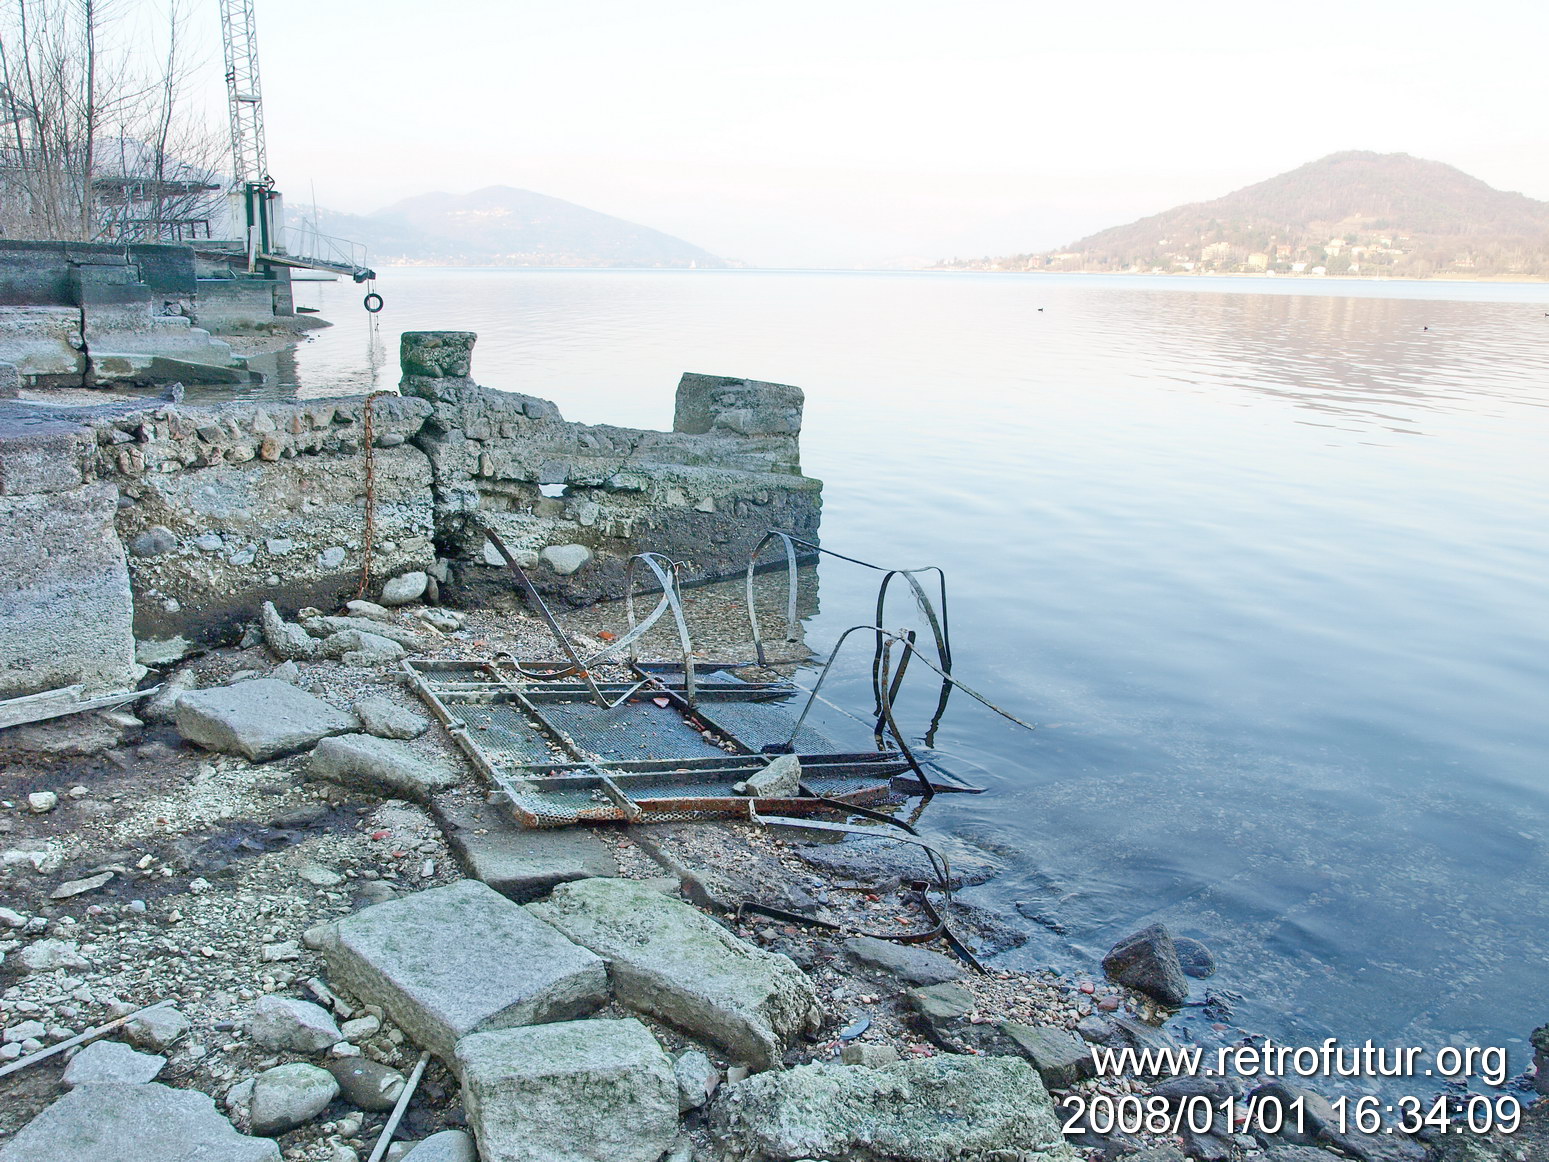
column 853, row 132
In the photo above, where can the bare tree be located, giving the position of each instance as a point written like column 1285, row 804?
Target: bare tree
column 95, row 145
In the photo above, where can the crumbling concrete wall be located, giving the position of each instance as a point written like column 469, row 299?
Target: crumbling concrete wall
column 205, row 512
column 67, row 611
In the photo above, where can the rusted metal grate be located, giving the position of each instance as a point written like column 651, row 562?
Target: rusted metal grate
column 559, row 758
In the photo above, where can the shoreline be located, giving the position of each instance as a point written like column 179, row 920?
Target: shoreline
column 206, row 851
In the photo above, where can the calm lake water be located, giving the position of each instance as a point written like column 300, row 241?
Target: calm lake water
column 1264, row 560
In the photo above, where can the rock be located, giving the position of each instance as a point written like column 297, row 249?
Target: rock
column 366, row 1083
column 111, row 1061
column 451, row 961
column 1139, row 1035
column 286, row 641
column 80, row 887
column 319, row 876
column 288, row 1096
column 134, row 1123
column 1098, row 1030
column 10, row 918
column 878, row 863
column 49, row 955
column 158, row 1029
column 286, row 672
column 577, row 1091
column 378, row 765
column 1299, row 1154
column 368, row 609
column 1194, row 958
column 1147, row 962
column 868, row 1055
column 155, row 541
column 696, row 1079
column 287, row 1023
column 261, row 719
column 927, row 1110
column 357, row 647
column 162, row 705
column 384, row 718
column 523, row 863
column 327, row 627
column 25, row 1031
column 331, row 558
column 42, row 802
column 1060, row 1057
column 566, row 559
column 402, row 590
column 672, row 962
column 447, row 1146
column 917, row 966
column 360, row 1028
column 781, row 779
column 444, row 620
column 940, row 1002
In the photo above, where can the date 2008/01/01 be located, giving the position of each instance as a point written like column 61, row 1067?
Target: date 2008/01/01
column 1131, row 1113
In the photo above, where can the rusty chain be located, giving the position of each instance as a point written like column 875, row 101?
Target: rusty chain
column 368, row 450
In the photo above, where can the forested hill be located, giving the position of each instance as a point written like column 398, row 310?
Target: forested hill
column 1348, row 213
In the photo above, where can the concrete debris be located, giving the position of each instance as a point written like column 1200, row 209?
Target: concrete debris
column 48, row 956
column 672, row 962
column 1060, row 1057
column 524, row 863
column 259, row 719
column 445, row 620
column 42, row 802
column 379, row 765
column 384, row 718
column 109, row 1062
column 926, row 1110
column 288, row 1096
column 287, row 1023
column 450, row 961
column 286, row 640
column 566, row 559
column 913, row 965
column 696, row 1079
column 80, row 887
column 368, row 609
column 577, row 1091
column 157, row 1030
column 781, row 779
column 134, row 1123
column 871, row 1056
column 357, row 647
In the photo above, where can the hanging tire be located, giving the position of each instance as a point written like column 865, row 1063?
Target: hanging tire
column 373, row 302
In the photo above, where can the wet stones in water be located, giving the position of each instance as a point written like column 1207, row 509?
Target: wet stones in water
column 1148, row 963
column 1194, row 957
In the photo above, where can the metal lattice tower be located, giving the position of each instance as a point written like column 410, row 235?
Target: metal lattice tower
column 239, row 37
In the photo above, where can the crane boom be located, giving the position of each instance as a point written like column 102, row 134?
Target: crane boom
column 244, row 94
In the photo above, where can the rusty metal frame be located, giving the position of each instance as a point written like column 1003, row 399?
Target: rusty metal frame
column 639, row 789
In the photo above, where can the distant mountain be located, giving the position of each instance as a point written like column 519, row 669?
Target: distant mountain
column 1348, row 213
column 502, row 226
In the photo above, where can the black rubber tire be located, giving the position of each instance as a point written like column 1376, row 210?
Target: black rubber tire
column 373, row 302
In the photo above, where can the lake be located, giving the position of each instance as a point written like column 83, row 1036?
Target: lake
column 1264, row 560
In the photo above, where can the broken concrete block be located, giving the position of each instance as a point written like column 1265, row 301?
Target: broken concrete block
column 459, row 959
column 1060, row 1057
column 386, row 719
column 378, row 765
column 566, row 559
column 925, row 1110
column 524, row 863
column 287, row 1023
column 781, row 779
column 286, row 640
column 104, row 1062
column 578, row 1091
column 402, row 590
column 916, row 966
column 356, row 647
column 261, row 719
column 673, row 962
column 134, row 1123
